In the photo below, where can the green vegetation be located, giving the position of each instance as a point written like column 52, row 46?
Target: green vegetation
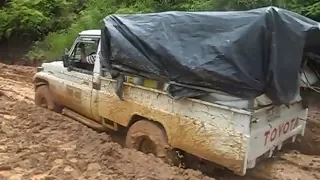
column 53, row 24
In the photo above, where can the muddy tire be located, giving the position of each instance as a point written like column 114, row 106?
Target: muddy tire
column 149, row 137
column 43, row 98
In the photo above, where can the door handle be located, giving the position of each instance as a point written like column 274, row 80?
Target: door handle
column 96, row 86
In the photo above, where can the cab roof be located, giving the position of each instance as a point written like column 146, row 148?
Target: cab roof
column 92, row 32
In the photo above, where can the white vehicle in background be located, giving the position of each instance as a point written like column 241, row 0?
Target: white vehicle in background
column 220, row 129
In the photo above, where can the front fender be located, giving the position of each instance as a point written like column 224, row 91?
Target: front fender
column 40, row 79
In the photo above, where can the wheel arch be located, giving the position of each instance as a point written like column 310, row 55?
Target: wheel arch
column 38, row 81
column 174, row 153
column 135, row 118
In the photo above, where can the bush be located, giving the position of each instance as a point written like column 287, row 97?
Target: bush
column 35, row 18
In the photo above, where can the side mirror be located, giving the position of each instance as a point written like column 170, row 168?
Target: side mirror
column 65, row 60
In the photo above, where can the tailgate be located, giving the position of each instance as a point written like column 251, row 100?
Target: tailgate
column 271, row 126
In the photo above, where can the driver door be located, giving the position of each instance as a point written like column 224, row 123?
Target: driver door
column 78, row 87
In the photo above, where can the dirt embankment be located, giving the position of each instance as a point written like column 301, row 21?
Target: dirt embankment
column 39, row 144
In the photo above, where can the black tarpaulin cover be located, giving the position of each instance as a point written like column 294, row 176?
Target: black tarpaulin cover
column 244, row 53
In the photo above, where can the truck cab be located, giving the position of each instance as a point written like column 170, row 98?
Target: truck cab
column 217, row 132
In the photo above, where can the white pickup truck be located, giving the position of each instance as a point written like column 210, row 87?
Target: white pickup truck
column 223, row 131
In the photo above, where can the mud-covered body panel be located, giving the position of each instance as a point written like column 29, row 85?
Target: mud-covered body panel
column 216, row 134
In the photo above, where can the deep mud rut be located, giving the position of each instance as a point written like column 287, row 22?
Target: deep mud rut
column 38, row 144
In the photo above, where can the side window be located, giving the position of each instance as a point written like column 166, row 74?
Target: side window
column 84, row 54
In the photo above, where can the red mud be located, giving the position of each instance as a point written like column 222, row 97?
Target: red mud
column 39, row 144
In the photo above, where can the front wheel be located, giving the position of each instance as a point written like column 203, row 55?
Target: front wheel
column 43, row 98
column 149, row 137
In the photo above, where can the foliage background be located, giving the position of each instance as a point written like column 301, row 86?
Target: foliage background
column 44, row 28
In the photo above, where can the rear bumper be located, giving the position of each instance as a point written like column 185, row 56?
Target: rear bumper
column 268, row 136
column 252, row 161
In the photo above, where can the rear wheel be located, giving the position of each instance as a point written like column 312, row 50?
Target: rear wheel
column 43, row 98
column 149, row 137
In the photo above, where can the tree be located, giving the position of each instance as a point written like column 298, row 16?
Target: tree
column 60, row 20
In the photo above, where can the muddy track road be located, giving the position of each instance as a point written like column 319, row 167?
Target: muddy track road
column 38, row 144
